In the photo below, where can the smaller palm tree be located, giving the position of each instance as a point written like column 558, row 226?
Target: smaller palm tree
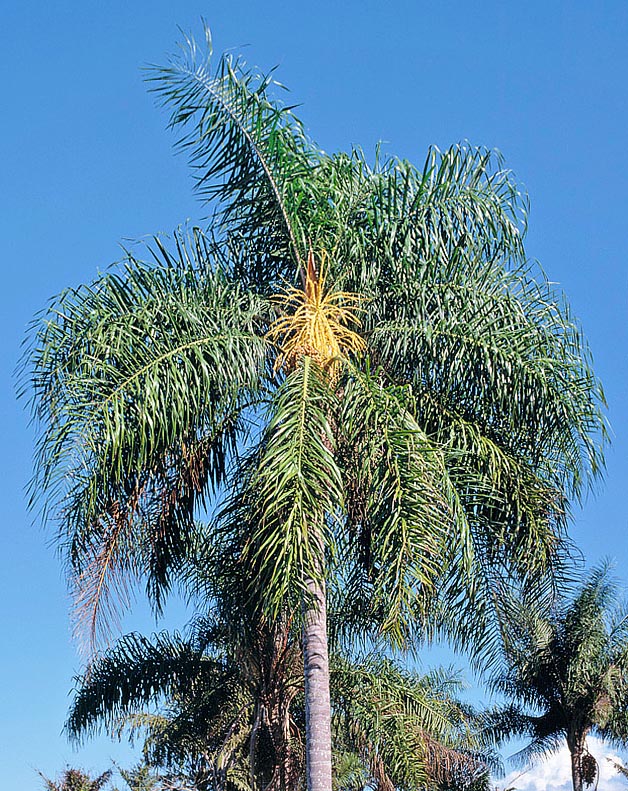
column 567, row 675
column 225, row 719
column 144, row 777
column 405, row 731
column 72, row 779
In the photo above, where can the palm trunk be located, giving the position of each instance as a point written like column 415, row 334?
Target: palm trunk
column 576, row 750
column 317, row 701
column 576, row 771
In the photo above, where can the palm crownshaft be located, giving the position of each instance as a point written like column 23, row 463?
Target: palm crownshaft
column 440, row 452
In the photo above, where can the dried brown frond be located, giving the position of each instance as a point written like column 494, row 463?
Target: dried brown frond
column 104, row 575
column 444, row 763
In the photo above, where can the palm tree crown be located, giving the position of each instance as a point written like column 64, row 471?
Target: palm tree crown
column 76, row 780
column 567, row 674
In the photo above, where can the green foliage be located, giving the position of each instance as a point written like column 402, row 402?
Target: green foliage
column 198, row 719
column 406, row 730
column 295, row 486
column 76, row 780
column 567, row 672
column 249, row 154
column 142, row 380
column 432, row 473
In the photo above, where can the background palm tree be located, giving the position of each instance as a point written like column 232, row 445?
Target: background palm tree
column 144, row 777
column 219, row 716
column 413, row 417
column 76, row 780
column 395, row 729
column 225, row 704
column 567, row 675
column 205, row 720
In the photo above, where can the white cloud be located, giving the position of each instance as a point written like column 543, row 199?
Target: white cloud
column 554, row 774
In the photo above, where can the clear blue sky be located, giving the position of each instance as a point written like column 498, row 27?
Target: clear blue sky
column 86, row 162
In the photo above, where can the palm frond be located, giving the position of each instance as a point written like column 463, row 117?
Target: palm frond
column 139, row 383
column 397, row 218
column 561, row 670
column 248, row 152
column 139, row 672
column 500, row 351
column 407, row 728
column 290, row 490
column 398, row 512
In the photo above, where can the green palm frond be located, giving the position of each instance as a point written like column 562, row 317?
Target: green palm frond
column 407, row 729
column 396, row 218
column 462, row 197
column 494, row 348
column 457, row 312
column 216, row 703
column 248, row 152
column 138, row 673
column 140, row 382
column 398, row 514
column 291, row 490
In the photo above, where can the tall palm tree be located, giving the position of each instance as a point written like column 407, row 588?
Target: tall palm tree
column 567, row 675
column 355, row 358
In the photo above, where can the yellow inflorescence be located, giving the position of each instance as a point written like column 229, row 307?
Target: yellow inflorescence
column 315, row 324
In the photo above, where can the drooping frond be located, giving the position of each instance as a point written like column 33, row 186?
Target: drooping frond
column 217, row 703
column 500, row 376
column 452, row 307
column 494, row 348
column 400, row 510
column 502, row 382
column 249, row 153
column 393, row 218
column 138, row 673
column 291, row 488
column 139, row 382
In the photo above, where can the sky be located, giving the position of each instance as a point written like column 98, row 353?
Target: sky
column 554, row 774
column 87, row 163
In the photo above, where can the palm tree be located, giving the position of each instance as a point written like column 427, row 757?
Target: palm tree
column 355, row 358
column 76, row 780
column 143, row 778
column 231, row 713
column 220, row 726
column 220, row 716
column 567, row 675
column 395, row 729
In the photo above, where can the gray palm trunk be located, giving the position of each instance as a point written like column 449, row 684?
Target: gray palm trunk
column 576, row 751
column 317, row 699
